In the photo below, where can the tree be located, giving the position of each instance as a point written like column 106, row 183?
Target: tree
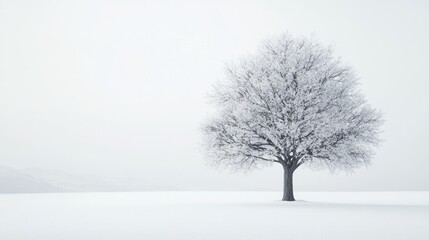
column 293, row 103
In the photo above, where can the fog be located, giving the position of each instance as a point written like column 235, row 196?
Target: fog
column 117, row 89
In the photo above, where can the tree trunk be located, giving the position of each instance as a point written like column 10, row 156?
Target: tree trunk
column 288, row 184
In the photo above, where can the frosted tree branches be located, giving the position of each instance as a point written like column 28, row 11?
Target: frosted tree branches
column 292, row 103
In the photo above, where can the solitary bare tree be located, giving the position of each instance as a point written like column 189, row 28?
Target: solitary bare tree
column 292, row 103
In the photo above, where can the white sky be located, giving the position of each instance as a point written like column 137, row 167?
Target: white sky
column 117, row 88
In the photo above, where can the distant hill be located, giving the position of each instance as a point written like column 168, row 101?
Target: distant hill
column 32, row 180
column 45, row 180
column 14, row 181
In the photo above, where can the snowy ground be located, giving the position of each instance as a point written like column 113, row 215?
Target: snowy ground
column 214, row 215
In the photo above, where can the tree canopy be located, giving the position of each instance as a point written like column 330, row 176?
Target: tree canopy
column 293, row 103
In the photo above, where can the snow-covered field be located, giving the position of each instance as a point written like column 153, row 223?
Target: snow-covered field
column 214, row 215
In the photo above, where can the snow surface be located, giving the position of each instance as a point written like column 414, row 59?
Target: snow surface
column 214, row 215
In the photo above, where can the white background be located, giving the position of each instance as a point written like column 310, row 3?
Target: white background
column 118, row 88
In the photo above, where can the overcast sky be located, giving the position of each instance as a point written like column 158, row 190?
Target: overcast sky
column 118, row 88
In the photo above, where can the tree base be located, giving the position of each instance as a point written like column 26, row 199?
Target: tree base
column 288, row 199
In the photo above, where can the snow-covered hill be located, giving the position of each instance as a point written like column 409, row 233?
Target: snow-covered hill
column 14, row 181
column 33, row 180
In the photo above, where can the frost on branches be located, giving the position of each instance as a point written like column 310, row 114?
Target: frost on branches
column 292, row 103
